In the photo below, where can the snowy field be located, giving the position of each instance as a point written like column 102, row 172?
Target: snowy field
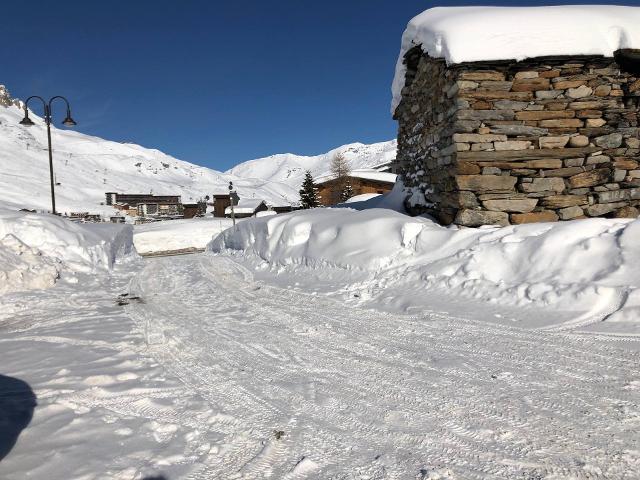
column 176, row 235
column 332, row 343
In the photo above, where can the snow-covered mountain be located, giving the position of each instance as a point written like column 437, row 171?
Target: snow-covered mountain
column 288, row 168
column 86, row 167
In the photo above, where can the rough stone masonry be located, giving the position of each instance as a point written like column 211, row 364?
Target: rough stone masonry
column 539, row 140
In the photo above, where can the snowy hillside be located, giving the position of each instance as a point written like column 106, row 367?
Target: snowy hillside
column 86, row 167
column 288, row 168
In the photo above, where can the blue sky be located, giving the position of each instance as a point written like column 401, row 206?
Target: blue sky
column 211, row 82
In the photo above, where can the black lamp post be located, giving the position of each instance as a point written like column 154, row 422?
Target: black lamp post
column 68, row 121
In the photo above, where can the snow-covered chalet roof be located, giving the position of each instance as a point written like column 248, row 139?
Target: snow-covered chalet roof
column 469, row 34
column 365, row 173
column 245, row 206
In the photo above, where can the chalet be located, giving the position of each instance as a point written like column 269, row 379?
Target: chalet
column 190, row 210
column 515, row 115
column 247, row 208
column 361, row 181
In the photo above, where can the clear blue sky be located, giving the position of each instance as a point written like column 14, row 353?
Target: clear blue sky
column 215, row 82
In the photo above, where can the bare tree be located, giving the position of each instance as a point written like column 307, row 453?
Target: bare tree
column 340, row 170
column 340, row 166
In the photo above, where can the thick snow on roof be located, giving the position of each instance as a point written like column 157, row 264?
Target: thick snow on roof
column 245, row 206
column 366, row 173
column 469, row 34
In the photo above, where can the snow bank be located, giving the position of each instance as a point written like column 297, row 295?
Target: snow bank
column 544, row 263
column 35, row 250
column 393, row 200
column 321, row 236
column 175, row 235
column 469, row 34
column 25, row 268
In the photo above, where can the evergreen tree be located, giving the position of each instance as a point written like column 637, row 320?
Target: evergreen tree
column 309, row 197
column 347, row 192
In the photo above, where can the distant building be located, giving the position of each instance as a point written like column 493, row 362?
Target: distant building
column 366, row 180
column 126, row 209
column 220, row 203
column 247, row 208
column 143, row 205
column 282, row 208
column 190, row 210
column 158, row 209
column 134, row 199
column 84, row 217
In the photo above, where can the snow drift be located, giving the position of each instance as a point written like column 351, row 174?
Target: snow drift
column 35, row 250
column 568, row 264
column 469, row 34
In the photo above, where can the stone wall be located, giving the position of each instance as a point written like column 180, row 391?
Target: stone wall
column 516, row 142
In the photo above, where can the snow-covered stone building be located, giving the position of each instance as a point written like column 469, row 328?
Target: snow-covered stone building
column 515, row 115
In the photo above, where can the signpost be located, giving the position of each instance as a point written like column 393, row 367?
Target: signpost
column 233, row 198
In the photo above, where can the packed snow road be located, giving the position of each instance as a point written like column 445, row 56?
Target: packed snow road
column 301, row 386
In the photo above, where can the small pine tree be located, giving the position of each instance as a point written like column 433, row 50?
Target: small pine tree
column 309, row 197
column 347, row 192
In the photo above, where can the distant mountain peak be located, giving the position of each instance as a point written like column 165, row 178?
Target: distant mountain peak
column 289, row 168
column 6, row 100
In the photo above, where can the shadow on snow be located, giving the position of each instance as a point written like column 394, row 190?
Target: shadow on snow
column 17, row 402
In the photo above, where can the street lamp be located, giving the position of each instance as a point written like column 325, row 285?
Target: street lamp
column 68, row 121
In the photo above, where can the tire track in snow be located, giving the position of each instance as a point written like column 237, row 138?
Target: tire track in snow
column 486, row 401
